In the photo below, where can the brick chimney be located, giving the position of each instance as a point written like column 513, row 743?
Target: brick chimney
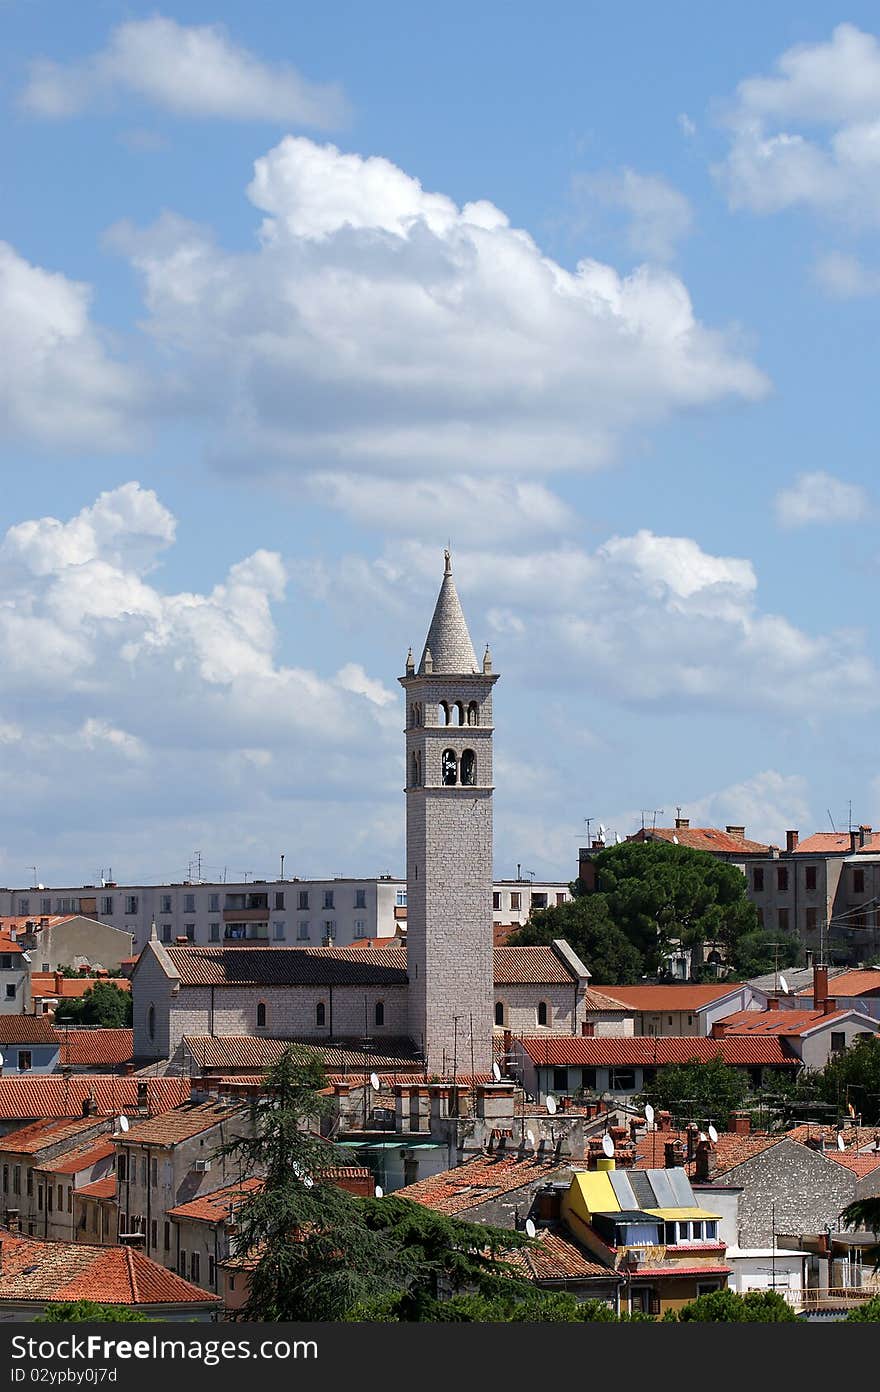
column 673, row 1155
column 664, row 1121
column 820, row 987
column 772, row 1002
column 701, row 1165
column 864, row 836
column 691, row 1132
column 737, row 832
column 718, row 1030
column 682, row 823
column 791, row 840
column 740, row 1123
column 588, row 1028
column 853, row 842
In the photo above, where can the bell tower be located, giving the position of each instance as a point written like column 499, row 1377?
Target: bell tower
column 449, row 843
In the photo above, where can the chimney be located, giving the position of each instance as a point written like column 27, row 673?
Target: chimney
column 13, row 1220
column 588, row 1027
column 673, row 1155
column 791, row 840
column 59, row 986
column 829, row 1005
column 740, row 1123
column 718, row 1030
column 772, row 1002
column 701, row 1167
column 682, row 823
column 691, row 1133
column 664, row 1121
column 820, row 987
column 737, row 832
column 864, row 836
column 853, row 842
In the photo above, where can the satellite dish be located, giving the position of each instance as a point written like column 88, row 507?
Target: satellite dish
column 531, row 1230
column 379, row 1191
column 649, row 1114
column 26, row 956
column 713, row 1134
column 601, row 832
column 618, row 839
column 374, row 1081
column 123, row 1123
column 530, row 1137
column 783, row 985
column 675, row 841
column 496, row 1072
column 607, row 1145
column 551, row 1104
column 841, row 1143
column 1, row 1060
column 308, row 1181
column 703, row 1136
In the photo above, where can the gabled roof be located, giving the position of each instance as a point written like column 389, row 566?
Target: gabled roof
column 835, row 843
column 864, row 982
column 95, row 1046
column 181, row 1123
column 729, row 1150
column 72, row 1162
column 686, row 997
column 448, row 640
column 485, row 1177
column 289, row 966
column 557, row 1257
column 31, row 1097
column 649, row 1051
column 61, row 1271
column 100, row 1189
column 214, row 1208
column 26, row 1029
column 787, row 1023
column 541, row 966
column 861, row 1165
column 702, row 839
column 52, row 984
column 246, row 1051
column 39, row 1135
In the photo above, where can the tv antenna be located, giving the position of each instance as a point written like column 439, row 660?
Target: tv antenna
column 831, row 820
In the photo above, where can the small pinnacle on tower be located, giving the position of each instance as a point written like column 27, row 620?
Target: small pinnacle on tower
column 487, row 660
column 427, row 661
column 410, row 664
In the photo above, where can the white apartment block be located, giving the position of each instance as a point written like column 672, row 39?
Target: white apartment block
column 314, row 913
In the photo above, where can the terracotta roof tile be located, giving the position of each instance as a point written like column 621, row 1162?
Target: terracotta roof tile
column 26, row 1029
column 854, row 1137
column 46, row 984
column 181, row 1123
column 72, row 1162
column 835, row 843
column 95, row 1046
column 851, row 983
column 782, row 1023
column 556, row 1257
column 100, row 1189
column 31, row 1139
column 590, row 1051
column 214, row 1207
column 702, row 839
column 30, row 1097
column 597, row 1000
column 861, row 1165
column 289, row 966
column 685, row 997
column 730, row 1149
column 454, row 1191
column 61, row 1271
column 245, row 1051
column 530, row 965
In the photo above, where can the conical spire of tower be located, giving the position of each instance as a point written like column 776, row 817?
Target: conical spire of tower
column 448, row 642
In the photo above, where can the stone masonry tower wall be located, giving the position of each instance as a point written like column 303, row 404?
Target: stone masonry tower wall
column 449, row 844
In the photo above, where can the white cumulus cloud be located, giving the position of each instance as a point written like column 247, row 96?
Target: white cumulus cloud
column 820, row 498
column 658, row 215
column 190, row 70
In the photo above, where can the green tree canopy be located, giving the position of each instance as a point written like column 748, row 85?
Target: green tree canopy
column 758, row 952
column 656, row 892
column 320, row 1252
column 727, row 1307
column 103, row 1005
column 89, row 1312
column 587, row 926
column 853, row 1080
column 702, row 1091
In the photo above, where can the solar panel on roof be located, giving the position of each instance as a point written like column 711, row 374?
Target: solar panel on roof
column 623, row 1190
column 641, row 1187
column 681, row 1188
column 664, row 1194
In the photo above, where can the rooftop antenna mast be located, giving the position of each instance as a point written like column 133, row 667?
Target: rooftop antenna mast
column 831, row 820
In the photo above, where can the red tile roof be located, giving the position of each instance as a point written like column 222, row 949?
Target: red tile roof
column 782, row 1023
column 26, row 1029
column 289, row 966
column 55, row 987
column 530, row 965
column 597, row 1000
column 702, row 839
column 60, row 1271
column 861, row 1165
column 19, row 921
column 247, row 1051
column 851, row 983
column 854, row 1137
column 214, row 1207
column 73, row 1162
column 670, row 998
column 100, row 1189
column 95, row 1046
column 8, row 944
column 30, row 1097
column 30, row 1140
column 730, row 1150
column 181, row 1123
column 556, row 1257
column 835, row 843
column 454, row 1191
column 590, row 1051
column 671, row 1269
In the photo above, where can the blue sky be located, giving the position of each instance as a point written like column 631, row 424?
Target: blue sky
column 290, row 298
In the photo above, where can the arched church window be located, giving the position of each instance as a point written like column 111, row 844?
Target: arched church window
column 261, row 1014
column 320, row 1015
column 468, row 768
column 449, row 767
column 543, row 1013
column 379, row 1013
column 444, row 714
column 473, row 714
column 459, row 712
column 499, row 1012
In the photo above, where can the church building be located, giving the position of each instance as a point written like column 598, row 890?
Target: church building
column 442, row 1002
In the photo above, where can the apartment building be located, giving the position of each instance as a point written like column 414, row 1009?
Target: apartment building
column 315, row 913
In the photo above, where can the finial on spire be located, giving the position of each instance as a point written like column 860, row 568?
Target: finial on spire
column 447, row 561
column 410, row 663
column 487, row 660
column 154, row 936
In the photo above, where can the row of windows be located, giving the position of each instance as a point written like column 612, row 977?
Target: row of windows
column 237, row 931
column 810, row 879
column 166, row 902
column 537, row 899
column 543, row 1013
